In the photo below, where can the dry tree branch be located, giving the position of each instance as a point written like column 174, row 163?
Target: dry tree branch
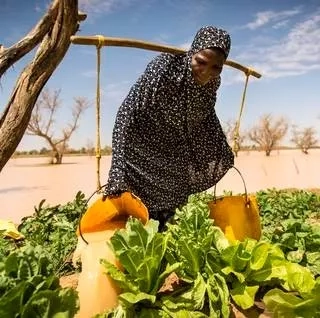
column 58, row 25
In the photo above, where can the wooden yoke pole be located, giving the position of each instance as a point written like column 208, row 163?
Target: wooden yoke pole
column 125, row 42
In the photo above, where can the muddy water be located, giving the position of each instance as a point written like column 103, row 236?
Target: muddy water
column 97, row 292
column 25, row 182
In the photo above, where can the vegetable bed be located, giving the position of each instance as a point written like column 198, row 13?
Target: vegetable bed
column 190, row 270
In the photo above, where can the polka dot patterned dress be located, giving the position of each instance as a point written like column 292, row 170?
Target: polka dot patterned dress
column 167, row 140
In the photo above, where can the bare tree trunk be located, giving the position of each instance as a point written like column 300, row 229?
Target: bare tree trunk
column 57, row 158
column 54, row 30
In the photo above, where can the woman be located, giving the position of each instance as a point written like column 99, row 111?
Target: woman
column 167, row 140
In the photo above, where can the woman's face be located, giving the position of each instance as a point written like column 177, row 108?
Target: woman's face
column 206, row 65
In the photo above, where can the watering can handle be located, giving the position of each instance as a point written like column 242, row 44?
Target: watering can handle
column 244, row 184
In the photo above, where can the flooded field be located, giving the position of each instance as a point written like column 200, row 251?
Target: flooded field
column 24, row 182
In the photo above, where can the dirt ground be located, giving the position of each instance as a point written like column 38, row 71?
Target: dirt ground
column 24, row 182
column 69, row 281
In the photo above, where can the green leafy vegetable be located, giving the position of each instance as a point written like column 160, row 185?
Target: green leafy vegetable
column 29, row 288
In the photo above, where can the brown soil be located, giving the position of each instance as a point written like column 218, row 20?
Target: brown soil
column 257, row 311
column 69, row 281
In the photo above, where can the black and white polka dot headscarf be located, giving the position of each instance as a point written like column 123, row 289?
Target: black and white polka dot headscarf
column 211, row 37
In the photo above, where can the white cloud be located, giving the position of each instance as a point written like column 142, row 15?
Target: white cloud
column 98, row 7
column 294, row 54
column 89, row 74
column 116, row 91
column 278, row 18
column 280, row 24
column 37, row 8
column 231, row 76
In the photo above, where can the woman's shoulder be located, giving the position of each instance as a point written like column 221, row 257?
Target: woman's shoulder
column 164, row 59
column 164, row 63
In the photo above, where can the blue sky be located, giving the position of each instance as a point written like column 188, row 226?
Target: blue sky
column 279, row 39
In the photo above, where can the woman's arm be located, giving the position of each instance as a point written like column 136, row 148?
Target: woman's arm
column 141, row 97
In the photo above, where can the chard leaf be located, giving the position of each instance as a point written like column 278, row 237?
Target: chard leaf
column 180, row 302
column 118, row 312
column 24, row 271
column 149, row 270
column 191, row 238
column 244, row 295
column 169, row 269
column 140, row 250
column 316, row 289
column 288, row 240
column 228, row 270
column 12, row 301
column 191, row 299
column 189, row 314
column 299, row 279
column 219, row 239
column 259, row 256
column 241, row 259
column 249, row 244
column 236, row 256
column 275, row 252
column 214, row 263
column 295, row 256
column 11, row 265
column 119, row 277
column 41, row 283
column 61, row 303
column 291, row 224
column 152, row 313
column 130, row 299
column 130, row 245
column 273, row 269
column 192, row 255
column 282, row 304
column 313, row 259
column 218, row 295
column 199, row 292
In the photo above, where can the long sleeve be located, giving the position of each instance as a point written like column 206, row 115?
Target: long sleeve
column 141, row 97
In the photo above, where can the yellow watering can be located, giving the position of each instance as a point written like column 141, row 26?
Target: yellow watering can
column 97, row 291
column 237, row 216
column 112, row 213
